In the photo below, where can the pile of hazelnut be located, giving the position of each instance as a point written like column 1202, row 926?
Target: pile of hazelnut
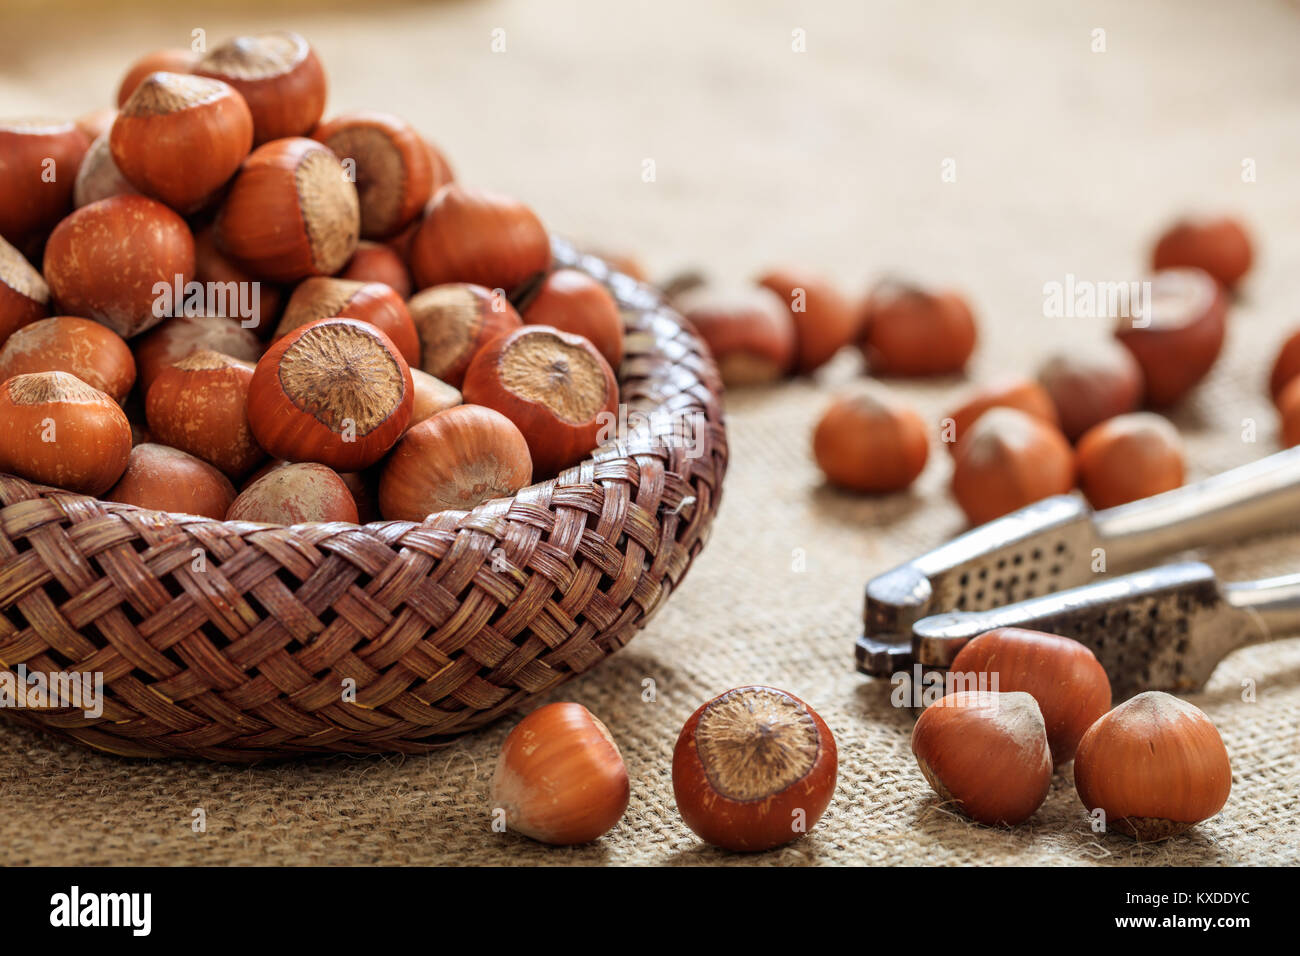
column 1088, row 419
column 206, row 306
column 1151, row 768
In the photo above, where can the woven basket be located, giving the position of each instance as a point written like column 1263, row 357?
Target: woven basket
column 442, row 626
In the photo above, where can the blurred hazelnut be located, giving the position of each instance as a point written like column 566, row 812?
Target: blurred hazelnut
column 1092, row 384
column 1129, row 457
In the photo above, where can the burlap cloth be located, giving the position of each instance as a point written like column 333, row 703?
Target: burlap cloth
column 1067, row 161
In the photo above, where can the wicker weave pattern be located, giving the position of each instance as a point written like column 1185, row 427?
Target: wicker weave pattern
column 233, row 641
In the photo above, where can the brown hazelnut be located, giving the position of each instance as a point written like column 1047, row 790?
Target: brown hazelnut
column 1285, row 368
column 254, row 303
column 278, row 75
column 1019, row 393
column 41, row 158
column 868, row 440
column 97, row 123
column 291, row 212
column 83, row 348
column 909, row 331
column 432, row 395
column 391, row 167
column 165, row 61
column 1180, row 334
column 57, row 430
column 24, row 296
column 452, row 462
column 1153, row 767
column 454, row 322
column 470, row 235
column 1091, row 384
column 325, row 298
column 166, row 479
column 1219, row 246
column 200, row 405
column 1063, row 676
column 573, row 301
column 99, row 178
column 199, row 118
column 824, row 319
column 336, row 392
column 176, row 338
column 104, row 261
column 986, row 753
column 1008, row 459
column 554, row 386
column 748, row 330
column 375, row 262
column 302, row 493
column 1288, row 404
column 1129, row 457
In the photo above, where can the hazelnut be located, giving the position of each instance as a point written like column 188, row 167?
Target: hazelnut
column 41, row 158
column 103, row 261
column 202, row 119
column 1288, row 404
column 1019, row 393
column 166, row 479
column 868, row 440
column 302, row 493
column 573, row 301
column 906, row 330
column 1180, row 335
column 1285, row 368
column 97, row 123
column 1089, row 385
column 363, row 493
column 335, row 392
column 184, row 335
column 199, row 404
column 291, row 212
column 24, row 296
column 373, row 302
column 374, row 262
column 442, row 171
column 164, row 61
column 554, row 386
column 453, row 461
column 1129, row 457
column 986, row 753
column 753, row 769
column 432, row 395
column 1064, row 678
column 57, row 430
column 1219, row 246
column 393, row 173
column 1009, row 459
column 278, row 75
column 255, row 304
column 1155, row 766
column 83, row 348
column 98, row 177
column 470, row 235
column 454, row 322
column 824, row 319
column 560, row 778
column 749, row 331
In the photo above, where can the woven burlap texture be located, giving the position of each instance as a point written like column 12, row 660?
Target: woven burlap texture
column 1067, row 160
